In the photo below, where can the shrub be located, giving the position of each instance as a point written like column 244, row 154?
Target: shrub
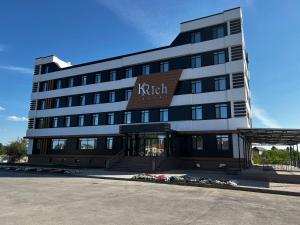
column 16, row 149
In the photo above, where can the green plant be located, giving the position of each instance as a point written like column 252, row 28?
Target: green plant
column 16, row 149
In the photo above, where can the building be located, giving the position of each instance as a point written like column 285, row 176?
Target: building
column 177, row 106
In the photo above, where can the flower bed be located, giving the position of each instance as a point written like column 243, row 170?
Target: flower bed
column 183, row 180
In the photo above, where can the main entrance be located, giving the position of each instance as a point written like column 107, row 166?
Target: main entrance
column 146, row 144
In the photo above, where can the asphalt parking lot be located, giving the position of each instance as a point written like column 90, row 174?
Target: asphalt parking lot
column 34, row 199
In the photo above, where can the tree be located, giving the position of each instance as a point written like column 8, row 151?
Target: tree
column 2, row 149
column 16, row 149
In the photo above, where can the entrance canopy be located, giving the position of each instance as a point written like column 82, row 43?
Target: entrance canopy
column 272, row 136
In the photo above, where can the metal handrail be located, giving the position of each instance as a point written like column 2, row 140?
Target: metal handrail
column 158, row 160
column 116, row 158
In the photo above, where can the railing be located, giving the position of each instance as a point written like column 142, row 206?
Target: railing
column 115, row 159
column 156, row 162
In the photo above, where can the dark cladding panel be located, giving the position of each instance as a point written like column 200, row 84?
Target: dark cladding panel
column 142, row 128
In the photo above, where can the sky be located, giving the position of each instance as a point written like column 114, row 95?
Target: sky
column 79, row 31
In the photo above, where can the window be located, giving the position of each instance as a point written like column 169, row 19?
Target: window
column 87, row 143
column 83, row 80
column 55, row 122
column 41, row 123
column 196, row 37
column 82, row 100
column 95, row 119
column 222, row 142
column 98, row 78
column 46, row 69
column 45, row 86
column 43, row 104
column 197, row 143
column 71, row 82
column 146, row 69
column 164, row 67
column 58, row 144
column 197, row 112
column 81, row 120
column 69, row 101
column 110, row 118
column 127, row 117
column 196, row 86
column 128, row 93
column 163, row 114
column 56, row 103
column 145, row 116
column 128, row 72
column 109, row 142
column 112, row 75
column 196, row 61
column 111, row 96
column 58, row 84
column 67, row 121
column 97, row 98
column 218, row 32
column 221, row 111
column 220, row 84
column 219, row 57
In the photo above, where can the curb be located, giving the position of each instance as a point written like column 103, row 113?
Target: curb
column 236, row 188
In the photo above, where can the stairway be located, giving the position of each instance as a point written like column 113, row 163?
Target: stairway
column 134, row 164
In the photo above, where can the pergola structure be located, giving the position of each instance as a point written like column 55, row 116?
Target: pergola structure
column 273, row 136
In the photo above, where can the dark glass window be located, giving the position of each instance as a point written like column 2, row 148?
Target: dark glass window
column 110, row 118
column 98, row 78
column 145, row 116
column 218, row 32
column 83, row 80
column 196, row 37
column 58, row 144
column 68, row 121
column 219, row 57
column 196, row 61
column 87, row 143
column 71, row 82
column 128, row 93
column 222, row 142
column 197, row 143
column 112, row 75
column 164, row 67
column 97, row 98
column 109, row 142
column 55, row 122
column 127, row 117
column 164, row 115
column 196, row 86
column 221, row 111
column 81, row 120
column 111, row 96
column 128, row 72
column 146, row 69
column 220, row 84
column 95, row 119
column 197, row 112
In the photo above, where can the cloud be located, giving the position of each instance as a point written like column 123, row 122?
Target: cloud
column 155, row 25
column 262, row 116
column 2, row 108
column 18, row 69
column 16, row 119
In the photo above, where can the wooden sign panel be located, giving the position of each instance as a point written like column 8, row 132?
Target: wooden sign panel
column 154, row 90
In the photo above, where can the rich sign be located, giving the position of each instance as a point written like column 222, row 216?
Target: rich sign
column 154, row 91
column 147, row 89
